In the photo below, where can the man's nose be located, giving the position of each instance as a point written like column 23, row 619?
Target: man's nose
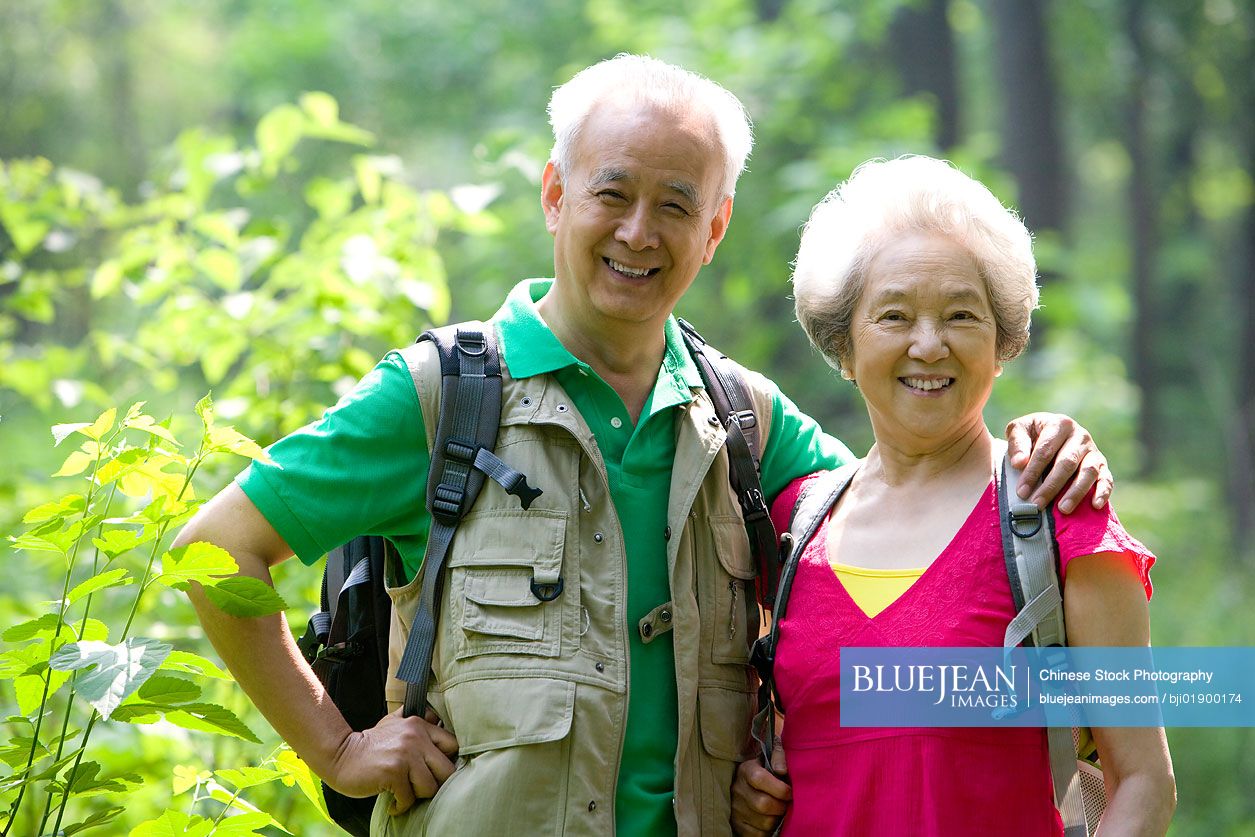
column 928, row 343
column 636, row 228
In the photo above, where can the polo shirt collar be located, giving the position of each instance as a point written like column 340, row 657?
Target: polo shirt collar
column 531, row 348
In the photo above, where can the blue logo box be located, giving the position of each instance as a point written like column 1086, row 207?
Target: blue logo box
column 1035, row 687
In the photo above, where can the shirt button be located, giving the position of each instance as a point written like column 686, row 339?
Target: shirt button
column 599, row 537
column 616, row 422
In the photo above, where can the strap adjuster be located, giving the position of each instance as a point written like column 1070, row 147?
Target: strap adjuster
column 1025, row 520
column 447, row 501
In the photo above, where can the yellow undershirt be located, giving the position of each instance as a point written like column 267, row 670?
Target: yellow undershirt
column 874, row 590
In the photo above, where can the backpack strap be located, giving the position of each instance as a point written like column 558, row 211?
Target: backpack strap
column 735, row 409
column 809, row 512
column 1031, row 553
column 461, row 458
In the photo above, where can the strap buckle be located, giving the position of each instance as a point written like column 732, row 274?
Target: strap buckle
column 1024, row 519
column 447, row 503
column 547, row 592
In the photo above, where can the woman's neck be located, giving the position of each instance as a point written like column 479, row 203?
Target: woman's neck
column 967, row 454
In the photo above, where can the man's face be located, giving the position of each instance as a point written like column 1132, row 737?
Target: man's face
column 637, row 216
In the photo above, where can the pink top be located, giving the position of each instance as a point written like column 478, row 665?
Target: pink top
column 919, row 781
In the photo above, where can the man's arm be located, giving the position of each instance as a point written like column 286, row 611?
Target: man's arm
column 1052, row 448
column 407, row 756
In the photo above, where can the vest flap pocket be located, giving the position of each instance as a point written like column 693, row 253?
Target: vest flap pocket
column 511, row 538
column 501, row 603
column 509, row 711
column 724, row 717
column 733, row 546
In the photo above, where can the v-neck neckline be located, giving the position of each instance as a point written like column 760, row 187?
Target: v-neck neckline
column 925, row 577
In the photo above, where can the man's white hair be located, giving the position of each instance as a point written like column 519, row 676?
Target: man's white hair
column 649, row 81
column 883, row 200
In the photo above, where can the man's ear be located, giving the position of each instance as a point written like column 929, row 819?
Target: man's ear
column 551, row 196
column 718, row 226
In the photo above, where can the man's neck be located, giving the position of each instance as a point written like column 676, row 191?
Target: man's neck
column 626, row 359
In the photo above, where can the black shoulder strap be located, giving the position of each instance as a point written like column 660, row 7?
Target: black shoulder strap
column 735, row 409
column 809, row 513
column 466, row 433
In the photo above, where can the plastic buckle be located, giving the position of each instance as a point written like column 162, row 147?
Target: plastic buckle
column 761, row 657
column 460, row 451
column 547, row 592
column 1024, row 515
column 753, row 504
column 447, row 501
column 745, row 418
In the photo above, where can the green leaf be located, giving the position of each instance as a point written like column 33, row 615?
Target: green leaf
column 102, row 425
column 138, row 713
column 68, row 505
column 205, row 409
column 209, row 717
column 114, row 542
column 247, row 777
column 47, row 623
column 221, row 794
column 321, row 107
column 173, row 824
column 297, row 771
column 25, row 232
column 29, row 690
column 61, row 431
column 278, row 132
column 164, row 690
column 110, row 672
column 221, row 266
column 106, row 280
column 230, row 439
column 243, row 595
column 189, row 663
column 75, row 464
column 200, row 561
column 99, row 818
column 187, row 777
column 148, row 424
column 116, row 577
column 243, row 825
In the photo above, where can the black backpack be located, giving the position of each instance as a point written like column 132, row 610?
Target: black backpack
column 346, row 641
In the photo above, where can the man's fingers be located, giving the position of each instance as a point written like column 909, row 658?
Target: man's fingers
column 779, row 765
column 1092, row 473
column 1064, row 467
column 440, row 767
column 1018, row 442
column 1050, row 437
column 444, row 740
column 402, row 797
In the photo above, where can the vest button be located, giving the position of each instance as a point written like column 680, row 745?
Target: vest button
column 714, row 421
column 561, row 408
column 665, row 615
column 598, row 537
column 600, row 667
column 666, row 534
column 592, row 806
column 647, row 630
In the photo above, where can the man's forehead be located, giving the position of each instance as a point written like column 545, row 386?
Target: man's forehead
column 604, row 175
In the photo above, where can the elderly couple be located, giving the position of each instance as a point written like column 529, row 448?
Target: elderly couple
column 917, row 285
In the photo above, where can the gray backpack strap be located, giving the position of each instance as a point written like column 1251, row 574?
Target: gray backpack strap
column 809, row 513
column 461, row 458
column 1032, row 558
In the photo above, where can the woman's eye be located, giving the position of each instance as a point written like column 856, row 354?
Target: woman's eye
column 962, row 315
column 893, row 316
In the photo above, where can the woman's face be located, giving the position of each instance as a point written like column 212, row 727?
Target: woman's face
column 924, row 342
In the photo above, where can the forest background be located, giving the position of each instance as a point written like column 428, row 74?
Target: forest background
column 260, row 198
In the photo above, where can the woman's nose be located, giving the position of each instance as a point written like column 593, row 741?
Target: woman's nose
column 928, row 344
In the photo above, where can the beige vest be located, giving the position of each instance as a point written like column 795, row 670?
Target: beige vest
column 536, row 692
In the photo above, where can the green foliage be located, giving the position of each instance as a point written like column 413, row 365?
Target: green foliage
column 107, row 544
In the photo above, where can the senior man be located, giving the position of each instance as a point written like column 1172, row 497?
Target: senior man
column 587, row 724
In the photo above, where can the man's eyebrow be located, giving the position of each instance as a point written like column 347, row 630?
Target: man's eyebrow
column 609, row 174
column 687, row 190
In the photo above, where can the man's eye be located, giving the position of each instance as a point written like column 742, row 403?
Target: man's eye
column 611, row 195
column 675, row 207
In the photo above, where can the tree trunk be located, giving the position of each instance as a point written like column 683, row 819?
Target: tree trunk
column 923, row 49
column 1143, row 221
column 1032, row 147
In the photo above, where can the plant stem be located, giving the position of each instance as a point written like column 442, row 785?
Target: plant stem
column 52, row 646
column 152, row 556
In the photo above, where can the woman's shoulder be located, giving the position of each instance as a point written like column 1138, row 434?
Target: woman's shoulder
column 782, row 507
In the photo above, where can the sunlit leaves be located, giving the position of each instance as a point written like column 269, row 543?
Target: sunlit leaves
column 201, row 562
column 174, row 824
column 108, row 673
column 243, row 595
column 190, row 663
column 297, row 772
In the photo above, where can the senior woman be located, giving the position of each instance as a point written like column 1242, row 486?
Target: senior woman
column 917, row 285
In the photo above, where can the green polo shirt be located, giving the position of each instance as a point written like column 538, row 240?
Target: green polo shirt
column 362, row 469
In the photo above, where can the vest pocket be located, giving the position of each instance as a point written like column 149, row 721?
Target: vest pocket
column 497, row 577
column 735, row 615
